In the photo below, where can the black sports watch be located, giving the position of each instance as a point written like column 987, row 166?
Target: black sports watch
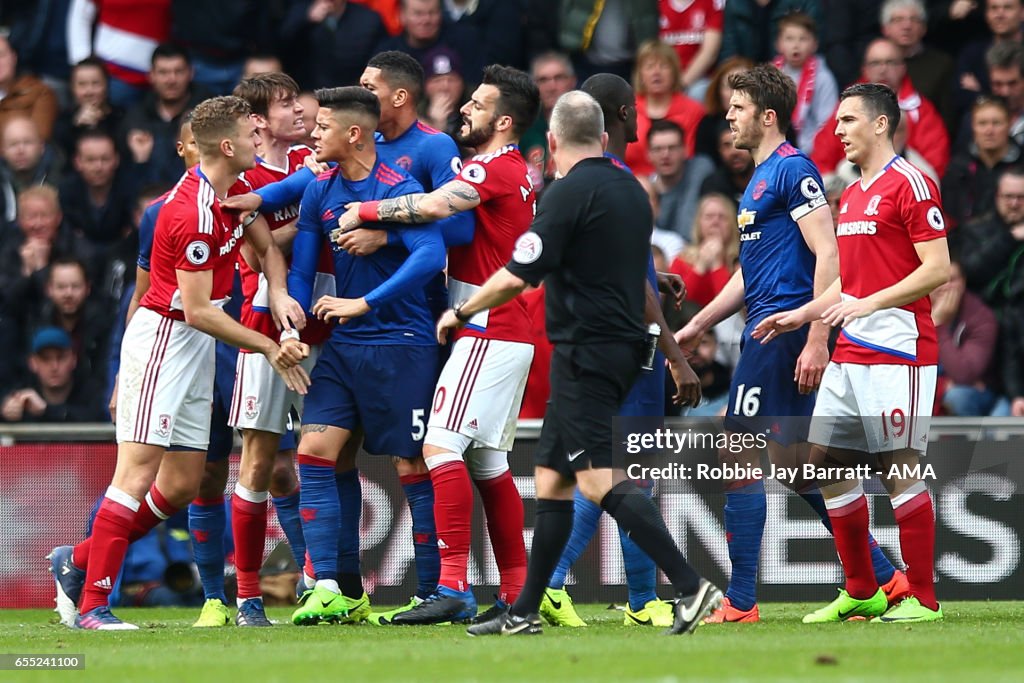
column 457, row 310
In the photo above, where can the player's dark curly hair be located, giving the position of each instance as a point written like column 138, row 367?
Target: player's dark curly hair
column 768, row 88
column 518, row 98
column 877, row 100
column 351, row 99
column 400, row 70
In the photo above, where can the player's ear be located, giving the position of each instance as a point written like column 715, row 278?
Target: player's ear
column 552, row 143
column 399, row 97
column 227, row 148
column 604, row 140
column 503, row 123
column 769, row 117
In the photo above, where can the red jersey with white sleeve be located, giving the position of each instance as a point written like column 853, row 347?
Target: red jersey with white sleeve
column 255, row 297
column 879, row 224
column 192, row 233
column 507, row 206
column 682, row 24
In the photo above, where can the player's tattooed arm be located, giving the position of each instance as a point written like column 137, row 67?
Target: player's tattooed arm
column 449, row 199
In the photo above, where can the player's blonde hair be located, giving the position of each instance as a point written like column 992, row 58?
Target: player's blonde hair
column 216, row 119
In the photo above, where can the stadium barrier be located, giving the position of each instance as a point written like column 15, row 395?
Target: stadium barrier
column 52, row 475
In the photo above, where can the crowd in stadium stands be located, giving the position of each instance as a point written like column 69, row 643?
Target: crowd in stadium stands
column 92, row 91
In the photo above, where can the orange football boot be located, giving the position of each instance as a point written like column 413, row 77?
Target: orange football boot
column 897, row 588
column 728, row 613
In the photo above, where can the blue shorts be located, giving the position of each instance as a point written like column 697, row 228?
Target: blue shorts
column 222, row 437
column 647, row 397
column 386, row 390
column 763, row 396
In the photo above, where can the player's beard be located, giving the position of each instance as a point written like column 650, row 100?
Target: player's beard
column 476, row 137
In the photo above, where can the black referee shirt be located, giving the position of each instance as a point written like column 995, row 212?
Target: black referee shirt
column 590, row 242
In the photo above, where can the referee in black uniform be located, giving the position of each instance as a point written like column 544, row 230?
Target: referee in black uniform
column 595, row 277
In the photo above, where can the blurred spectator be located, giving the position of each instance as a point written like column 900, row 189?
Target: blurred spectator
column 25, row 95
column 708, row 263
column 152, row 125
column 497, row 25
column 848, row 26
column 668, row 244
column 389, row 11
column 926, row 134
column 716, row 104
column 955, row 23
column 25, row 256
column 602, row 36
column 751, row 25
column 905, row 23
column 262, row 63
column 217, row 41
column 1006, row 76
column 97, row 197
column 967, row 333
column 444, row 89
column 990, row 246
column 90, row 107
column 53, row 394
column 27, row 162
column 554, row 75
column 68, row 306
column 122, row 33
column 714, row 378
column 330, row 41
column 834, row 188
column 676, row 179
column 816, row 91
column 1011, row 333
column 733, row 171
column 968, row 188
column 694, row 29
column 1003, row 18
column 424, row 28
column 656, row 82
column 39, row 36
column 541, row 27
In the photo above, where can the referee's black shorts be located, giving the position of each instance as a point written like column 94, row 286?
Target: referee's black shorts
column 589, row 382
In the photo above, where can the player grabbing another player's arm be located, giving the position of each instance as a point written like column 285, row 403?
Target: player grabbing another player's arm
column 876, row 396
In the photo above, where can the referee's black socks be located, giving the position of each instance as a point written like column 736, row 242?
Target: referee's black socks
column 640, row 519
column 551, row 532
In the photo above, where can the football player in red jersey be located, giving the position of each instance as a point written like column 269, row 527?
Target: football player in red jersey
column 877, row 392
column 166, row 378
column 476, row 403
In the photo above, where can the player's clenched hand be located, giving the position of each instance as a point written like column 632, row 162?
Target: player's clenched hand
column 292, row 352
column 687, row 384
column 243, row 203
column 287, row 312
column 810, row 365
column 329, row 308
column 778, row 323
column 447, row 323
column 845, row 312
column 362, row 241
column 671, row 283
column 295, row 377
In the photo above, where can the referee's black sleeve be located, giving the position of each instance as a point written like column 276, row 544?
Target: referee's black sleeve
column 540, row 250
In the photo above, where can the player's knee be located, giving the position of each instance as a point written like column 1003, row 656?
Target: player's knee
column 441, row 443
column 594, row 484
column 283, row 481
column 486, row 463
column 215, row 479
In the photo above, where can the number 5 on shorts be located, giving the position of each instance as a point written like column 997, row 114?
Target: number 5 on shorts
column 419, row 427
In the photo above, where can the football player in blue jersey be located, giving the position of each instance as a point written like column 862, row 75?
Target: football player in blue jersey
column 377, row 370
column 788, row 255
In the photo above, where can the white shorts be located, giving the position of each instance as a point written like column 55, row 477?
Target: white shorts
column 165, row 385
column 874, row 408
column 261, row 400
column 480, row 390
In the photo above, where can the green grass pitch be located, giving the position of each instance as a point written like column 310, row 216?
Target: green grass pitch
column 978, row 641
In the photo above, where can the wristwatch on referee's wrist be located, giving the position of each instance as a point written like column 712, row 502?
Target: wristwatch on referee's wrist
column 457, row 310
